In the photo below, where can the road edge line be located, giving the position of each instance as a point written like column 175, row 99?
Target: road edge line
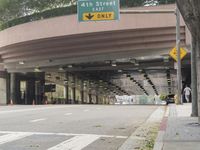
column 133, row 142
column 159, row 142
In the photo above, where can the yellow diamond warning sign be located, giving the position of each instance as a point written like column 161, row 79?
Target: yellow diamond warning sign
column 98, row 16
column 173, row 53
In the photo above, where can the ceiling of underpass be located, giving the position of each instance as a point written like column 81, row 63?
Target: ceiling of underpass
column 131, row 76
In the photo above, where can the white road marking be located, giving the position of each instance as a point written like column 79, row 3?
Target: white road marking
column 157, row 115
column 32, row 109
column 98, row 108
column 167, row 112
column 68, row 114
column 12, row 137
column 120, row 137
column 63, row 134
column 86, row 110
column 37, row 120
column 76, row 143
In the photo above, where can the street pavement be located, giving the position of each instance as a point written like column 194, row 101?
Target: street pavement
column 69, row 127
column 182, row 131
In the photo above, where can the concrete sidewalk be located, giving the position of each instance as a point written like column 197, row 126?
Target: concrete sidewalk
column 182, row 132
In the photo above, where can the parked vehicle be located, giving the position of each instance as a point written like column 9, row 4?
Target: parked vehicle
column 170, row 99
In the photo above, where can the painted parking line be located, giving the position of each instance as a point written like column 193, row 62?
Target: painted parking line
column 12, row 137
column 68, row 114
column 76, row 143
column 37, row 120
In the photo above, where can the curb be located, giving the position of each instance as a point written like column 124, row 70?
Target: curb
column 134, row 141
column 159, row 142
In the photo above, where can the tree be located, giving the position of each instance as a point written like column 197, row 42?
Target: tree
column 11, row 9
column 190, row 10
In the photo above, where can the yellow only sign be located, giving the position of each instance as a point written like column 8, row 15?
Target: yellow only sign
column 98, row 16
column 174, row 55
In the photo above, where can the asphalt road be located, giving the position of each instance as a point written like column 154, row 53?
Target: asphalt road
column 69, row 127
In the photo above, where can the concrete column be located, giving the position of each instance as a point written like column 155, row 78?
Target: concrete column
column 74, row 90
column 30, row 92
column 13, row 88
column 39, row 92
column 67, row 89
column 66, row 94
column 97, row 99
column 3, row 88
column 82, row 96
column 90, row 98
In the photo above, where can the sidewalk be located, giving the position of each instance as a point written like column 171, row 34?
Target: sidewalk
column 181, row 132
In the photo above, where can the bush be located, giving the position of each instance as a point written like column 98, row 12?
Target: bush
column 163, row 97
column 38, row 16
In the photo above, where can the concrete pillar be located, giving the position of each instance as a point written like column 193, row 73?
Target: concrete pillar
column 66, row 94
column 30, row 92
column 3, row 88
column 90, row 98
column 74, row 90
column 97, row 99
column 13, row 88
column 39, row 92
column 82, row 96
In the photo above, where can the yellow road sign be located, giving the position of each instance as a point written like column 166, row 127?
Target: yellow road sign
column 173, row 53
column 98, row 16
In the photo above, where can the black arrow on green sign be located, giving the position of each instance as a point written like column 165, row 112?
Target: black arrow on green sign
column 89, row 16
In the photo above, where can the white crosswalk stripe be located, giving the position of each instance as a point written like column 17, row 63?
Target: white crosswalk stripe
column 12, row 137
column 76, row 143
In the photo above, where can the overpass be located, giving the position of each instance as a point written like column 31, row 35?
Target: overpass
column 62, row 44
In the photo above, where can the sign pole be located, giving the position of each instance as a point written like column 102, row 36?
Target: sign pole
column 179, row 76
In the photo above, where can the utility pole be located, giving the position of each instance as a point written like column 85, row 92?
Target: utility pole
column 179, row 76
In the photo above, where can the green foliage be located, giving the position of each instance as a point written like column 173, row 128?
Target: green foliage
column 163, row 97
column 166, row 1
column 38, row 16
column 132, row 3
column 12, row 9
column 14, row 12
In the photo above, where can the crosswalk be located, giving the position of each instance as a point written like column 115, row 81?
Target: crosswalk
column 74, row 142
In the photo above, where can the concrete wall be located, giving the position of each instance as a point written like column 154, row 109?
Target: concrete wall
column 68, row 25
column 3, row 89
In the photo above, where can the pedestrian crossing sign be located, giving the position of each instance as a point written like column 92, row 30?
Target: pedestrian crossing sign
column 173, row 53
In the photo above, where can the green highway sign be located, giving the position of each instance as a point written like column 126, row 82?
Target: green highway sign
column 98, row 10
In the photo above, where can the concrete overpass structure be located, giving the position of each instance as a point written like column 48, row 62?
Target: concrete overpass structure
column 62, row 41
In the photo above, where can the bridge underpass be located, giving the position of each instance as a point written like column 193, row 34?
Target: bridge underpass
column 126, row 51
column 99, row 82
